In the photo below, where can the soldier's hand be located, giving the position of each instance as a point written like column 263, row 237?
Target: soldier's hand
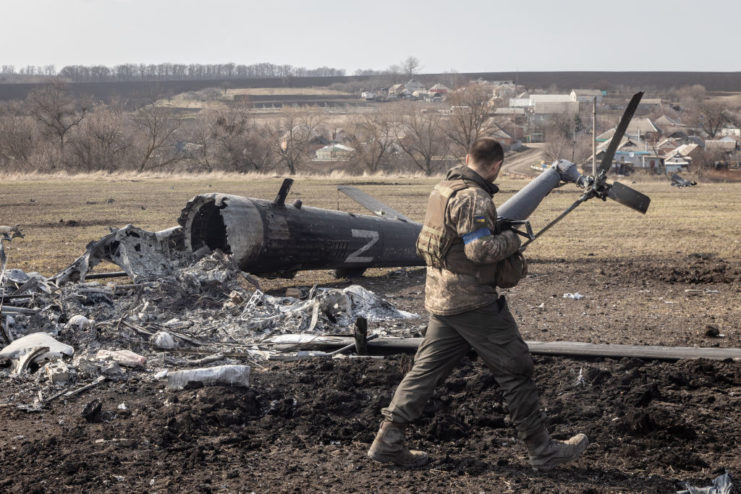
column 513, row 240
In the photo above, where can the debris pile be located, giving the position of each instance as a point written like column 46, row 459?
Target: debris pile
column 679, row 181
column 182, row 310
column 322, row 312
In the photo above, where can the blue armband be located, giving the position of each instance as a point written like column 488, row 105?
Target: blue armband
column 470, row 237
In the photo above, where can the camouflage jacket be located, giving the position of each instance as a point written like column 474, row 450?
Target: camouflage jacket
column 472, row 215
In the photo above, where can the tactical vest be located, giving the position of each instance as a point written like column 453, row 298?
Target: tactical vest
column 436, row 239
column 441, row 247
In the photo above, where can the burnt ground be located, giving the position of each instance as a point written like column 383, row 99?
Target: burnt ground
column 305, row 426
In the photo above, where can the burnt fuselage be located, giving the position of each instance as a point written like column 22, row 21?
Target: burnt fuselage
column 269, row 238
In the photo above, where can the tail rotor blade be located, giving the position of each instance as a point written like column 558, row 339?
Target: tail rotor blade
column 371, row 203
column 629, row 197
column 619, row 132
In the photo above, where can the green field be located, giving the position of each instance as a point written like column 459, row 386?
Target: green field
column 60, row 215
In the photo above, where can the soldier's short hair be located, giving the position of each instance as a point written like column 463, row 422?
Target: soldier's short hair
column 485, row 151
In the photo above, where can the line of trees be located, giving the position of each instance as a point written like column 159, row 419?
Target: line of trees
column 171, row 72
column 194, row 72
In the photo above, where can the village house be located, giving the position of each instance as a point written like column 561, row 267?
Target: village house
column 440, row 89
column 671, row 127
column 725, row 144
column 397, row 91
column 502, row 136
column 413, row 85
column 513, row 128
column 632, row 154
column 334, row 152
column 518, row 112
column 665, row 146
column 497, row 131
column 731, row 131
column 303, row 132
column 677, row 163
column 643, row 128
column 587, row 95
column 681, row 157
column 546, row 104
column 651, row 103
column 503, row 91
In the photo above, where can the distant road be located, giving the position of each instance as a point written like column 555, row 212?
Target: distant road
column 520, row 164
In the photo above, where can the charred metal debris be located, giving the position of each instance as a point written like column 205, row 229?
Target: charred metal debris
column 188, row 313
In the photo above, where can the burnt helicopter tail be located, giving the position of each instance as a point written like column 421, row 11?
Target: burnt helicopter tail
column 521, row 205
column 275, row 239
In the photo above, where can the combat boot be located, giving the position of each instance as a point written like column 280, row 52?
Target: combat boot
column 388, row 447
column 546, row 453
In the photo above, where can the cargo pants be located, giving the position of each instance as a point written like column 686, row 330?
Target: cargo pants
column 492, row 332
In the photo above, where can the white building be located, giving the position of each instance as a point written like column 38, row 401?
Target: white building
column 546, row 104
column 586, row 95
column 334, row 152
column 730, row 131
column 677, row 163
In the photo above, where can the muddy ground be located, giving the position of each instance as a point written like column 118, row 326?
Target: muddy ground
column 306, row 426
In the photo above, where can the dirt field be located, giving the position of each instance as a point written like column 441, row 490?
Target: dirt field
column 672, row 277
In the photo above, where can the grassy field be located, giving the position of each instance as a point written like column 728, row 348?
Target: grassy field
column 60, row 215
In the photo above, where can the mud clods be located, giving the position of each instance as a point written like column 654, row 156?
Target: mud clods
column 652, row 424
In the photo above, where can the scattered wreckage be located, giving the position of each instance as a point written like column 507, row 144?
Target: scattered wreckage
column 679, row 181
column 193, row 301
column 175, row 322
column 193, row 316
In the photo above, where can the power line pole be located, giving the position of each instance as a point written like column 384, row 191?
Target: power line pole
column 594, row 136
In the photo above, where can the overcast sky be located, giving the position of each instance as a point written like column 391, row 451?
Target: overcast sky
column 459, row 35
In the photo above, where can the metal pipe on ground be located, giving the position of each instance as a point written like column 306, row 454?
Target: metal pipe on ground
column 558, row 348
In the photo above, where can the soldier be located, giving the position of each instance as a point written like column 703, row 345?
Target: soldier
column 466, row 259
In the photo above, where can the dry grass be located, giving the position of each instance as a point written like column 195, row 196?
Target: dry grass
column 727, row 99
column 679, row 221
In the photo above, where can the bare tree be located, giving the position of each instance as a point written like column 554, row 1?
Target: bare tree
column 56, row 110
column 217, row 139
column 561, row 136
column 410, row 66
column 689, row 95
column 298, row 134
column 710, row 117
column 236, row 143
column 373, row 139
column 421, row 135
column 17, row 141
column 200, row 134
column 100, row 142
column 560, row 125
column 259, row 153
column 469, row 117
column 557, row 146
column 707, row 158
column 158, row 128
